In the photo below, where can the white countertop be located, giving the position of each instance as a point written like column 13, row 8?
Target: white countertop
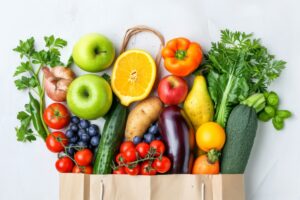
column 28, row 171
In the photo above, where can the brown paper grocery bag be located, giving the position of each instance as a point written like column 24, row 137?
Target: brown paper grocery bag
column 160, row 187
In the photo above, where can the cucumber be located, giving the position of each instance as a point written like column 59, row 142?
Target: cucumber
column 240, row 133
column 112, row 136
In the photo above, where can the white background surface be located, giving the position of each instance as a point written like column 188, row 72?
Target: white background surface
column 27, row 171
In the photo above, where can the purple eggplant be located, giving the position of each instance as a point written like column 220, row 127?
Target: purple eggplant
column 175, row 134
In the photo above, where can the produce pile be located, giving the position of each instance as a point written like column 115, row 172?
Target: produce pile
column 208, row 128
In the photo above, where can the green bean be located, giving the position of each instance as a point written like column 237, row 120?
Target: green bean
column 36, row 118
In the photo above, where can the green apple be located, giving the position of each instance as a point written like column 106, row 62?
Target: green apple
column 93, row 52
column 89, row 96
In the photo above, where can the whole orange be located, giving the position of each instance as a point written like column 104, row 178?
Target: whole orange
column 210, row 135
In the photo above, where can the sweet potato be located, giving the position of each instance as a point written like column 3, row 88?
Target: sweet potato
column 141, row 117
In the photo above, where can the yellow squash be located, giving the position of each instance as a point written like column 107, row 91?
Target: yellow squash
column 198, row 105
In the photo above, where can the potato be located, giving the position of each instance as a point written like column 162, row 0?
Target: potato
column 141, row 117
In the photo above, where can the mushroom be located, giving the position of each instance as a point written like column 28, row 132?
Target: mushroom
column 57, row 81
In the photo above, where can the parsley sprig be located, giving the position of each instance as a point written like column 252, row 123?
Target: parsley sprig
column 27, row 73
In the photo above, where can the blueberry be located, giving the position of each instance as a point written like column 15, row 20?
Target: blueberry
column 85, row 137
column 148, row 137
column 158, row 137
column 153, row 129
column 84, row 123
column 81, row 132
column 95, row 140
column 137, row 140
column 75, row 119
column 70, row 150
column 73, row 139
column 90, row 147
column 74, row 127
column 82, row 144
column 93, row 130
column 69, row 133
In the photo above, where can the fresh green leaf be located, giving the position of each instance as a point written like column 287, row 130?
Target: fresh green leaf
column 26, row 82
column 70, row 61
column 239, row 66
column 23, row 67
column 24, row 132
column 25, row 48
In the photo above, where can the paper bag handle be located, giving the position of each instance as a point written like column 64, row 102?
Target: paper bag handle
column 141, row 28
column 101, row 190
column 203, row 191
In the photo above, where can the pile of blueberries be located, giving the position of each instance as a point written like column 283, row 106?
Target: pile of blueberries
column 151, row 134
column 82, row 134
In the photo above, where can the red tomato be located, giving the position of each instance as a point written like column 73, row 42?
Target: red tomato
column 147, row 169
column 126, row 145
column 82, row 169
column 130, row 155
column 83, row 157
column 158, row 146
column 133, row 170
column 163, row 165
column 120, row 159
column 142, row 149
column 56, row 141
column 64, row 165
column 120, row 170
column 56, row 116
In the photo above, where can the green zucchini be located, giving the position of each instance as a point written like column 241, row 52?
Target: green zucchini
column 112, row 136
column 240, row 133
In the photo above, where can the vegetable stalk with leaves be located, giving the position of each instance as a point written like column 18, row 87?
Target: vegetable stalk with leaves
column 239, row 66
column 30, row 67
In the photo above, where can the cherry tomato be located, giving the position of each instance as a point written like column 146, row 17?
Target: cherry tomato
column 82, row 169
column 158, row 146
column 64, row 165
column 126, row 145
column 163, row 165
column 120, row 159
column 56, row 116
column 142, row 149
column 130, row 155
column 133, row 170
column 83, row 157
column 120, row 170
column 56, row 141
column 147, row 169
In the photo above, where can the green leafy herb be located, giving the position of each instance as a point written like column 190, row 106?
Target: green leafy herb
column 27, row 74
column 239, row 66
column 24, row 132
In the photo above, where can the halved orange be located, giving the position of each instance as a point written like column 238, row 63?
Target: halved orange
column 133, row 76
